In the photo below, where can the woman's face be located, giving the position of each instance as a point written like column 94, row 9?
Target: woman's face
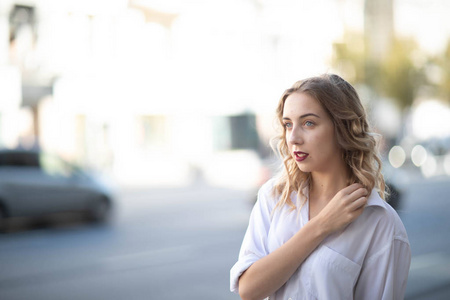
column 310, row 134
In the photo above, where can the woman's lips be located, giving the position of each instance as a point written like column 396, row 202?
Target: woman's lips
column 300, row 156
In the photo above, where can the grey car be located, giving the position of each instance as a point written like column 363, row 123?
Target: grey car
column 36, row 184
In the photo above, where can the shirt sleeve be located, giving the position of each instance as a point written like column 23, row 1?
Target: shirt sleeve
column 254, row 245
column 385, row 274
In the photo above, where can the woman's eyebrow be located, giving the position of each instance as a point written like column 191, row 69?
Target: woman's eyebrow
column 303, row 116
column 308, row 115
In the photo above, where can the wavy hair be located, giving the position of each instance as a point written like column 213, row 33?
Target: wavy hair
column 341, row 101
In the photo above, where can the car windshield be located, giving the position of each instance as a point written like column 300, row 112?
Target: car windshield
column 48, row 163
column 55, row 166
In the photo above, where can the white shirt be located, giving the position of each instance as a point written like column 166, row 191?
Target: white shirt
column 367, row 260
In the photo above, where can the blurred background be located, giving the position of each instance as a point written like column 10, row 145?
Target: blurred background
column 170, row 105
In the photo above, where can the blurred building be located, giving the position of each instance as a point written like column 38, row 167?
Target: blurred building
column 161, row 92
column 378, row 27
column 150, row 91
column 10, row 92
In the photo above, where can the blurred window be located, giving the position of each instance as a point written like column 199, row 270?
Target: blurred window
column 54, row 166
column 235, row 132
column 20, row 16
column 152, row 132
column 221, row 133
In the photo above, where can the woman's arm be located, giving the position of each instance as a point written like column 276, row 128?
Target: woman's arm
column 269, row 273
column 385, row 275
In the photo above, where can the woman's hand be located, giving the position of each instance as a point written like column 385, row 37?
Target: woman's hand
column 344, row 208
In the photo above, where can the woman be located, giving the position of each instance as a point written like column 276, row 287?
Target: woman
column 322, row 229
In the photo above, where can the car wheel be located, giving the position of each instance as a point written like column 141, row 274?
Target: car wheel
column 99, row 209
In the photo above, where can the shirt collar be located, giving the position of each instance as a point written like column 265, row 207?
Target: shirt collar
column 375, row 199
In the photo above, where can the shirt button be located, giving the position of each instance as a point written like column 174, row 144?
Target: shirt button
column 290, row 299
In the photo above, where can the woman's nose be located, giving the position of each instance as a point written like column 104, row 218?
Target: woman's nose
column 295, row 137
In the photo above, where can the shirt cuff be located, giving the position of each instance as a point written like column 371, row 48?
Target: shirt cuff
column 240, row 267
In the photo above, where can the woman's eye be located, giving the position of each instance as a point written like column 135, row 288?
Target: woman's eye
column 288, row 125
column 309, row 123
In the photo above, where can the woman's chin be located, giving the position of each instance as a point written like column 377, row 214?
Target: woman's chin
column 303, row 168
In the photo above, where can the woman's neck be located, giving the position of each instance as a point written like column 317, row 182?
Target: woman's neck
column 325, row 186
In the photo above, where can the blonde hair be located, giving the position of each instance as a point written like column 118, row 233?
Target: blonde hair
column 341, row 101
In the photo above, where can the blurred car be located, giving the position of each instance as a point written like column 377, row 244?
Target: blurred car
column 37, row 184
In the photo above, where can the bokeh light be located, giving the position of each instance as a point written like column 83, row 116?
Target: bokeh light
column 397, row 156
column 418, row 155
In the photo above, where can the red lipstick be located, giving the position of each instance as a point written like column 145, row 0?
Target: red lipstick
column 300, row 156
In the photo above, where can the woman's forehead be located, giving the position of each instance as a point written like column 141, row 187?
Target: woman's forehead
column 300, row 104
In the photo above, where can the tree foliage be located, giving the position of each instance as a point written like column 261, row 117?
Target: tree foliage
column 443, row 63
column 402, row 76
column 399, row 75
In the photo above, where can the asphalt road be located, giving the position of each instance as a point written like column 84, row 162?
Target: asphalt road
column 426, row 216
column 181, row 243
column 162, row 244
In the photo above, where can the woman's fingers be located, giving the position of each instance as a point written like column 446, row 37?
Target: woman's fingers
column 351, row 188
column 358, row 203
column 360, row 192
column 353, row 192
